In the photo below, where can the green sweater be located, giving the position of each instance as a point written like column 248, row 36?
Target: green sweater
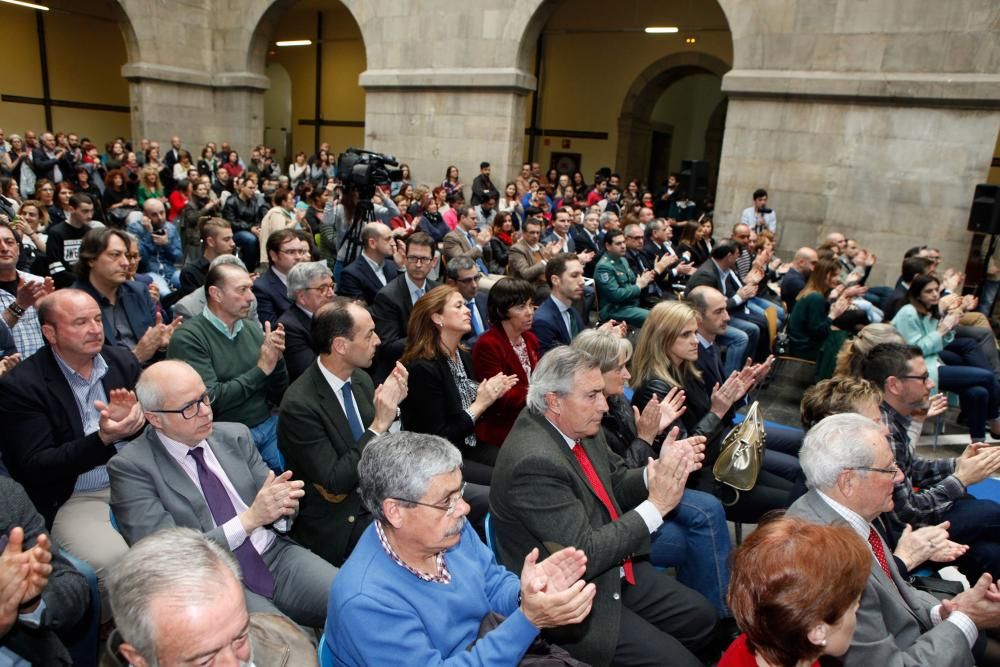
column 808, row 326
column 239, row 390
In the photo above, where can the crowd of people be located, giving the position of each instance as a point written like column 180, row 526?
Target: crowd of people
column 240, row 415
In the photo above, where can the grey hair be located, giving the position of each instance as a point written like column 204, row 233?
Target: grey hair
column 460, row 263
column 178, row 564
column 149, row 391
column 631, row 227
column 835, row 444
column 604, row 346
column 607, row 215
column 303, row 274
column 556, row 373
column 227, row 259
column 401, row 465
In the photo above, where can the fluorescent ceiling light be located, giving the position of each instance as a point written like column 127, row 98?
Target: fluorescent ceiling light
column 29, row 5
column 294, row 42
column 660, row 30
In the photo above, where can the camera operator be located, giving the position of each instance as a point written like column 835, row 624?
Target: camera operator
column 759, row 217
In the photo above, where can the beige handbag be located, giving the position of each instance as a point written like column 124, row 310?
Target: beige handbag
column 742, row 453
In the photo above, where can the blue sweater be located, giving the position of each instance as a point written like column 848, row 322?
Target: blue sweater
column 381, row 614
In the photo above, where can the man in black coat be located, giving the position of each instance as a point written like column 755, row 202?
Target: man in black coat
column 374, row 268
column 285, row 249
column 52, row 162
column 322, row 435
column 311, row 286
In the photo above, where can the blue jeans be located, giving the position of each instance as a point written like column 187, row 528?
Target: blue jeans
column 265, row 436
column 737, row 348
column 759, row 305
column 249, row 247
column 694, row 538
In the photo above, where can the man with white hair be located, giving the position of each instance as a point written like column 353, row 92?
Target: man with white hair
column 310, row 286
column 177, row 600
column 851, row 471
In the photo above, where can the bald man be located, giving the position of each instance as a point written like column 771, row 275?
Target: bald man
column 187, row 471
column 795, row 279
column 374, row 268
column 159, row 246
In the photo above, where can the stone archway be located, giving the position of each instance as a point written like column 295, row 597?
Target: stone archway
column 634, row 129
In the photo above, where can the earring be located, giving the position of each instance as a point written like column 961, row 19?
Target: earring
column 822, row 642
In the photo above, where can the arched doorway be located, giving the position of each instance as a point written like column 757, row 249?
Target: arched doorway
column 683, row 86
column 326, row 102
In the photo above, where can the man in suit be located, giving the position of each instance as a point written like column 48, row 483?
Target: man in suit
column 285, row 248
column 556, row 458
column 556, row 321
column 464, row 275
column 310, row 284
column 50, row 161
column 466, row 241
column 127, row 311
column 327, row 418
column 588, row 236
column 718, row 271
column 65, row 410
column 186, row 471
column 527, row 258
column 374, row 268
column 851, row 472
column 394, row 302
column 912, row 267
column 44, row 602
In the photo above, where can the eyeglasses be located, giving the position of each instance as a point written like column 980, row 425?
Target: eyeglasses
column 294, row 252
column 189, row 410
column 922, row 378
column 414, row 259
column 891, row 471
column 448, row 508
column 328, row 287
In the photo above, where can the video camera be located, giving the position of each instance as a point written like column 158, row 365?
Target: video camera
column 364, row 170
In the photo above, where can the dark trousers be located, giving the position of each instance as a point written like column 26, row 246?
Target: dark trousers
column 976, row 523
column 763, row 348
column 662, row 622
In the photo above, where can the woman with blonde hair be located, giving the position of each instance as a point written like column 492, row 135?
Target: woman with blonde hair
column 447, row 399
column 852, row 352
column 795, row 591
column 665, row 359
column 150, row 186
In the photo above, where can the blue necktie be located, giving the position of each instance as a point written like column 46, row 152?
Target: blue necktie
column 477, row 326
column 256, row 576
column 352, row 415
column 480, row 264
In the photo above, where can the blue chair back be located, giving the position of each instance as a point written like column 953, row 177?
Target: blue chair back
column 491, row 535
column 324, row 653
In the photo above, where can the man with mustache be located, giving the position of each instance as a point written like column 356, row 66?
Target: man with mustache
column 65, row 410
column 421, row 574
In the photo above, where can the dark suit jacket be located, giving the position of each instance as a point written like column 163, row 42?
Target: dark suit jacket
column 44, row 445
column 708, row 274
column 45, row 167
column 583, row 242
column 470, row 338
column 895, row 301
column 358, row 281
column 150, row 491
column 316, row 439
column 435, row 406
column 66, row 596
column 299, row 352
column 391, row 312
column 894, row 625
column 550, row 236
column 550, row 327
column 539, row 497
column 272, row 298
column 140, row 311
column 494, row 354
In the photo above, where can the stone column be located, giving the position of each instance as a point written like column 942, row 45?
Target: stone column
column 854, row 125
column 430, row 119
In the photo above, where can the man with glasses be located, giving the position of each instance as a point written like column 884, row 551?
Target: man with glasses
column 241, row 365
column 901, row 373
column 421, row 573
column 189, row 472
column 310, row 285
column 328, row 416
column 374, row 268
column 852, row 474
column 285, row 248
column 527, row 258
column 394, row 302
column 659, row 288
column 463, row 273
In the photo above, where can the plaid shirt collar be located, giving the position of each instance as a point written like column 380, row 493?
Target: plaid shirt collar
column 443, row 578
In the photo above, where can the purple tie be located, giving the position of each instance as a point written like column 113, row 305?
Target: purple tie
column 256, row 576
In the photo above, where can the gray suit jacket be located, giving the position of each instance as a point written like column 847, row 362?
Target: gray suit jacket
column 539, row 497
column 150, row 491
column 894, row 628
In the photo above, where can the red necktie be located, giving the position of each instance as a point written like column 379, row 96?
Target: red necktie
column 602, row 494
column 876, row 542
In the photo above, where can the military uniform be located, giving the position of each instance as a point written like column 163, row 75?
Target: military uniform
column 617, row 292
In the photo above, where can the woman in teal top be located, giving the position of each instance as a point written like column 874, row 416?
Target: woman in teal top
column 953, row 364
column 811, row 328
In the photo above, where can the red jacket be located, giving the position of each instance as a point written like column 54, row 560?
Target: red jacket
column 494, row 354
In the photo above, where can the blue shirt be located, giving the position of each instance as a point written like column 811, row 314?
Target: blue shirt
column 85, row 392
